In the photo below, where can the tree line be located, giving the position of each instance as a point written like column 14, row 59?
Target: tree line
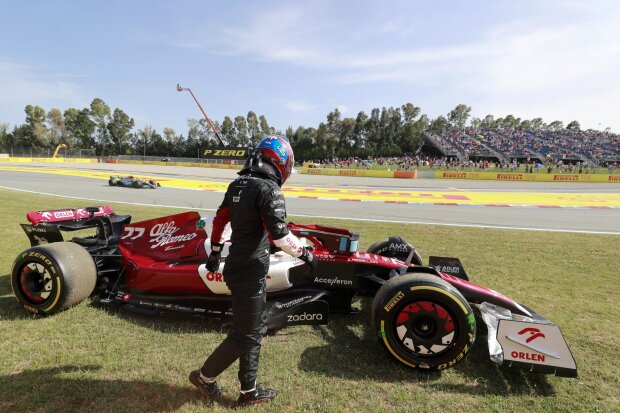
column 389, row 131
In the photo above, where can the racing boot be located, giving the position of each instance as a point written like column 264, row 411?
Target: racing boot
column 259, row 395
column 208, row 390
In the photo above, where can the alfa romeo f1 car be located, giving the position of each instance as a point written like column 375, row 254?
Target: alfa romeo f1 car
column 422, row 315
column 132, row 182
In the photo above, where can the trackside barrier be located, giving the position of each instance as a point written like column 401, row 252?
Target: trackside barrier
column 158, row 163
column 358, row 172
column 50, row 160
column 499, row 176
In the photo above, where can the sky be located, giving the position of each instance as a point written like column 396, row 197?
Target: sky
column 295, row 61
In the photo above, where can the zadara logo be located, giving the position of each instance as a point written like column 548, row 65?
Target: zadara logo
column 534, row 333
column 162, row 234
column 305, row 317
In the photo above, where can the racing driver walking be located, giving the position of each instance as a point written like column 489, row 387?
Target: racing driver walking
column 254, row 206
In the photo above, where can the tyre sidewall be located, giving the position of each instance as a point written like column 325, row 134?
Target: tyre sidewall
column 59, row 290
column 399, row 295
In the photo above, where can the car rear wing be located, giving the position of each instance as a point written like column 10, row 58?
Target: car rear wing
column 61, row 215
column 45, row 226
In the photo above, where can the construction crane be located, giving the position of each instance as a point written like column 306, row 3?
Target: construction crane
column 217, row 135
column 55, row 155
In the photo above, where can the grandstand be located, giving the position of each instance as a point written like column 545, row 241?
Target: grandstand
column 593, row 147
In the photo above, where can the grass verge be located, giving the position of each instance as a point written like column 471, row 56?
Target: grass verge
column 93, row 358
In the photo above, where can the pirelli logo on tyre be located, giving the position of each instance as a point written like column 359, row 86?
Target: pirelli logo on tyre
column 397, row 297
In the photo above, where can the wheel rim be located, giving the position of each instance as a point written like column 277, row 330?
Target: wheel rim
column 35, row 282
column 425, row 328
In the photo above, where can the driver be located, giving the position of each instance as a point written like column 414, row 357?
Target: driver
column 255, row 207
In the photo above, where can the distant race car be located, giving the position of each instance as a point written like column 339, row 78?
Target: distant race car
column 132, row 182
column 422, row 315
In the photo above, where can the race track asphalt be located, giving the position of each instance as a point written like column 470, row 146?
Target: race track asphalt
column 585, row 207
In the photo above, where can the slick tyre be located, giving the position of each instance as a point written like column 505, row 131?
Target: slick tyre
column 423, row 322
column 49, row 278
column 136, row 184
column 396, row 247
column 111, row 182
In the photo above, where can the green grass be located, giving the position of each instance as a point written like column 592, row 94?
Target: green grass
column 91, row 358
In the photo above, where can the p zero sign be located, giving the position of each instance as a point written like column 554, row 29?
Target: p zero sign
column 226, row 153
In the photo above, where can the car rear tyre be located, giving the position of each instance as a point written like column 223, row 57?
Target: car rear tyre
column 423, row 322
column 49, row 278
column 111, row 182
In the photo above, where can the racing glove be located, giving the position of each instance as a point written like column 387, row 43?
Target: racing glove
column 213, row 261
column 308, row 257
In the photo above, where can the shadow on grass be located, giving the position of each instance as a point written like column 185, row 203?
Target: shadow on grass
column 164, row 322
column 73, row 388
column 353, row 352
column 9, row 307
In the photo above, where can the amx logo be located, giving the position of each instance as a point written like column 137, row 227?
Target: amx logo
column 534, row 333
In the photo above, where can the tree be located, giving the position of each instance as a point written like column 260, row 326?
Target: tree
column 145, row 135
column 5, row 137
column 241, row 135
column 509, row 122
column 556, row 126
column 410, row 112
column 537, row 124
column 254, row 131
column 372, row 129
column 574, row 126
column 359, row 133
column 439, row 124
column 57, row 131
column 120, row 129
column 488, row 123
column 475, row 123
column 35, row 119
column 264, row 126
column 79, row 128
column 100, row 114
column 526, row 125
column 173, row 141
column 228, row 130
column 458, row 116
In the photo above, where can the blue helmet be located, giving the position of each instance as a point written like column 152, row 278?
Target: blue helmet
column 277, row 151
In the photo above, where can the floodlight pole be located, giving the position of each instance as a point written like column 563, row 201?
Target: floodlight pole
column 217, row 135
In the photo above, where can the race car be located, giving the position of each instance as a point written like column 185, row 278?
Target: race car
column 132, row 182
column 423, row 315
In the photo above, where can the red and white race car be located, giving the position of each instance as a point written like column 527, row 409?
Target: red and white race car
column 422, row 315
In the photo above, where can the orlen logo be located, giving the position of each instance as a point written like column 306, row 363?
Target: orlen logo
column 215, row 276
column 614, row 178
column 63, row 214
column 161, row 234
column 348, row 173
column 534, row 333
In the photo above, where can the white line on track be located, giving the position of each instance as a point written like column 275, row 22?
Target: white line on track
column 443, row 224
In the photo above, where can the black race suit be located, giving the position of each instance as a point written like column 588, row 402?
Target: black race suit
column 255, row 207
